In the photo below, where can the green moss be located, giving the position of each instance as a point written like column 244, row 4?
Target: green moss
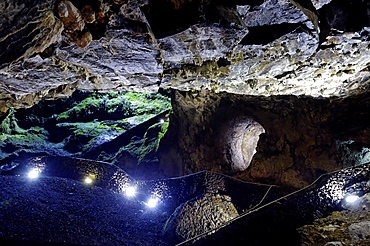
column 117, row 106
column 14, row 139
column 164, row 128
column 91, row 134
column 9, row 124
column 85, row 108
column 72, row 126
column 147, row 103
column 145, row 149
column 33, row 141
column 136, row 120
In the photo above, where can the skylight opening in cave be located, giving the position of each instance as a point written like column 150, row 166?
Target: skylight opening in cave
column 100, row 126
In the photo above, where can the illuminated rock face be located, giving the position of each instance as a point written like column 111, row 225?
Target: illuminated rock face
column 274, row 51
column 240, row 136
column 276, row 47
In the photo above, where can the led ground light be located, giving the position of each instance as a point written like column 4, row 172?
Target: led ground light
column 130, row 191
column 351, row 198
column 88, row 180
column 152, row 202
column 33, row 174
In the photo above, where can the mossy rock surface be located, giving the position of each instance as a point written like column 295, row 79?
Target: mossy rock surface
column 75, row 125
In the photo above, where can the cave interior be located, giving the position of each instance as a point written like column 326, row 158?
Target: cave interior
column 221, row 122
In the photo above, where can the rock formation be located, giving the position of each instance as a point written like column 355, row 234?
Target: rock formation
column 275, row 47
column 268, row 91
column 287, row 76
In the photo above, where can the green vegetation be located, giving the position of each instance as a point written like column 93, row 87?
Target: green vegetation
column 73, row 126
column 9, row 124
column 116, row 106
column 14, row 139
column 151, row 140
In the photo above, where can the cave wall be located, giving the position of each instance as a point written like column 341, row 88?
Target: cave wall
column 49, row 48
column 302, row 137
column 281, row 62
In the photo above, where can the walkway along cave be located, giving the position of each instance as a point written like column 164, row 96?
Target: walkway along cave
column 185, row 122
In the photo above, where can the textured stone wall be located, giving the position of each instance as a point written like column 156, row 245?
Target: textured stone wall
column 212, row 211
column 300, row 139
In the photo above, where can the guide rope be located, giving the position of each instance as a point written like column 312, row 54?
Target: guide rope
column 256, row 208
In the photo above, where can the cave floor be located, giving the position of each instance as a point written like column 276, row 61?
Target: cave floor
column 59, row 211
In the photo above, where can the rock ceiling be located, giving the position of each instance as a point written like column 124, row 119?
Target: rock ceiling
column 50, row 48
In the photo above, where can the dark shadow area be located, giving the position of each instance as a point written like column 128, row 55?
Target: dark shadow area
column 348, row 16
column 167, row 18
column 265, row 34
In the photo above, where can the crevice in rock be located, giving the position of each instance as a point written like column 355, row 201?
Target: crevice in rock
column 167, row 18
column 347, row 16
column 266, row 34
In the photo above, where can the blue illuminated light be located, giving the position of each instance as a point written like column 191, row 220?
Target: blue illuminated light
column 152, row 202
column 33, row 174
column 130, row 191
column 351, row 198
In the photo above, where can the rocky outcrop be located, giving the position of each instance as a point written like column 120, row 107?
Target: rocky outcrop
column 293, row 211
column 116, row 57
column 347, row 227
column 198, row 216
column 274, row 47
column 27, row 27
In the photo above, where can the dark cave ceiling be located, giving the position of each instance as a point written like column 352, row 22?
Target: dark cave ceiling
column 50, row 48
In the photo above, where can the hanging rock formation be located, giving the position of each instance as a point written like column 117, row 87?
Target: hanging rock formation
column 277, row 47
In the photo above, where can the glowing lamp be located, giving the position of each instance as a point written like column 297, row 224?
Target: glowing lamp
column 33, row 174
column 88, row 180
column 351, row 198
column 130, row 191
column 161, row 121
column 152, row 202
